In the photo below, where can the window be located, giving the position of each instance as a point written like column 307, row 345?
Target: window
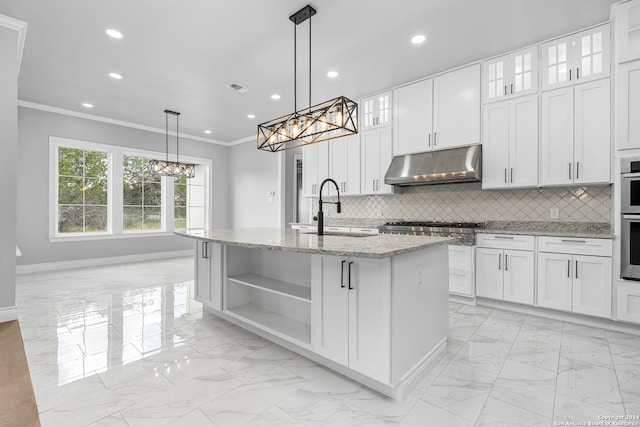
column 82, row 190
column 102, row 191
column 141, row 195
column 190, row 200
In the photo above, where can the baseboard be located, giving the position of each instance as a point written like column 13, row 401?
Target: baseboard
column 8, row 313
column 93, row 262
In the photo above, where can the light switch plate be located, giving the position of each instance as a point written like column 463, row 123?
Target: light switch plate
column 555, row 213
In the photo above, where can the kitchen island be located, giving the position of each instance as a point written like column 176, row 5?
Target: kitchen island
column 372, row 307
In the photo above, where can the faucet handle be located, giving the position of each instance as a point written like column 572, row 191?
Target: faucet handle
column 315, row 218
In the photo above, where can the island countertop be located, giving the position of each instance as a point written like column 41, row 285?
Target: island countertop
column 372, row 246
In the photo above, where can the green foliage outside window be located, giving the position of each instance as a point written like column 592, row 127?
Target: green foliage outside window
column 141, row 195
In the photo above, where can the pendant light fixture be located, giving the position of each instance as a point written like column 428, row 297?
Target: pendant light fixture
column 165, row 167
column 331, row 119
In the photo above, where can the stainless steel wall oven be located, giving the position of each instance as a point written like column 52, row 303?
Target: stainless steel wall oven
column 630, row 209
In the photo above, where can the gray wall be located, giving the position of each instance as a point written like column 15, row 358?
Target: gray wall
column 253, row 175
column 8, row 156
column 35, row 127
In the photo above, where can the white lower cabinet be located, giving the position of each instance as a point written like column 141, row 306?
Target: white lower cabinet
column 628, row 303
column 505, row 267
column 576, row 277
column 352, row 313
column 462, row 277
column 208, row 274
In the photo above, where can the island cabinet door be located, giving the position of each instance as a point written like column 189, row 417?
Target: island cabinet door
column 208, row 274
column 330, row 307
column 489, row 273
column 369, row 283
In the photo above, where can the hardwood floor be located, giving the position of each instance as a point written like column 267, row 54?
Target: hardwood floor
column 17, row 401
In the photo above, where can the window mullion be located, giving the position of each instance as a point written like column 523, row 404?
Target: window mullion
column 167, row 204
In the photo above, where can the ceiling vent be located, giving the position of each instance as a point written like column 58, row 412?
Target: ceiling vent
column 236, row 86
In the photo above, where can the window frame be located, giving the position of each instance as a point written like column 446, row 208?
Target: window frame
column 115, row 202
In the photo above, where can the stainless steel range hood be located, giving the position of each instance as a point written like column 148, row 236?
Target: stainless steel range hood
column 462, row 164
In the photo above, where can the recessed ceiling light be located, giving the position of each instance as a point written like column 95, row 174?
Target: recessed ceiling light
column 207, row 131
column 115, row 76
column 87, row 105
column 332, row 74
column 114, row 33
column 251, row 116
column 275, row 96
column 418, row 39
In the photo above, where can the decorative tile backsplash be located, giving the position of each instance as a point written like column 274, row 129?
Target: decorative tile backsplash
column 468, row 202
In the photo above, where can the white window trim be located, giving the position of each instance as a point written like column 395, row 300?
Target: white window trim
column 114, row 204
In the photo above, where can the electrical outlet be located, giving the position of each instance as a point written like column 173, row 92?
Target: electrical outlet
column 555, row 213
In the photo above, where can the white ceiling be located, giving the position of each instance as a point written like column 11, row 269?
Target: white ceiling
column 181, row 55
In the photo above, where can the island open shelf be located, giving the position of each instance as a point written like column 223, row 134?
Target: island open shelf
column 262, row 293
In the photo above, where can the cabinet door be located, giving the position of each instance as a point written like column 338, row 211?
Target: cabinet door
column 344, row 163
column 556, row 157
column 456, row 108
column 323, row 163
column 330, row 308
column 592, row 51
column 489, row 276
column 414, row 112
column 461, row 270
column 370, row 161
column 310, row 169
column 495, row 79
column 370, row 318
column 628, row 104
column 557, row 63
column 592, row 148
column 628, row 303
column 385, row 147
column 627, row 25
column 518, row 276
column 554, row 281
column 384, row 108
column 495, row 145
column 523, row 67
column 592, row 285
column 523, row 145
column 202, row 272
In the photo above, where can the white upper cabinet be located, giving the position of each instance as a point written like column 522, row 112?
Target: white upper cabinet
column 510, row 75
column 376, row 111
column 438, row 113
column 575, row 140
column 577, row 58
column 628, row 106
column 315, row 158
column 376, row 154
column 510, row 143
column 344, row 162
column 627, row 28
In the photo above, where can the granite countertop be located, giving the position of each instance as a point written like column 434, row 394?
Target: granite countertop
column 372, row 246
column 349, row 222
column 600, row 230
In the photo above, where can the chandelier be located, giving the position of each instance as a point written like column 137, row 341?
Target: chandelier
column 331, row 119
column 165, row 167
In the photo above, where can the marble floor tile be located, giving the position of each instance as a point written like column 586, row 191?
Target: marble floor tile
column 127, row 345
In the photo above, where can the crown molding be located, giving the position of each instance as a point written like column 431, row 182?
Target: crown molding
column 21, row 28
column 242, row 140
column 50, row 109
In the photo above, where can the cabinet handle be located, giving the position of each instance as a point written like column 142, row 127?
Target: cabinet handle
column 576, row 269
column 429, row 139
column 205, row 250
column 569, row 170
column 511, row 88
column 505, row 90
column 499, row 261
column 505, row 175
column 569, row 75
column 577, row 170
column 504, row 237
column 506, row 262
column 350, row 262
column 435, row 139
column 577, row 78
column 511, row 174
column 568, row 268
column 573, row 241
column 342, row 274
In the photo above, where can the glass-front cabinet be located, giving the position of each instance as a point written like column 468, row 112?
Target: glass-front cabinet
column 511, row 75
column 577, row 58
column 376, row 111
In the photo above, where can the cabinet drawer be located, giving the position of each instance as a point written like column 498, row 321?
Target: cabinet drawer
column 337, row 229
column 505, row 241
column 365, row 230
column 577, row 246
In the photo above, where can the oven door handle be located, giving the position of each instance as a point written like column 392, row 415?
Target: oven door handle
column 635, row 217
column 631, row 175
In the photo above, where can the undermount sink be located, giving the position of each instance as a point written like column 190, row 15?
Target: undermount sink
column 333, row 233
